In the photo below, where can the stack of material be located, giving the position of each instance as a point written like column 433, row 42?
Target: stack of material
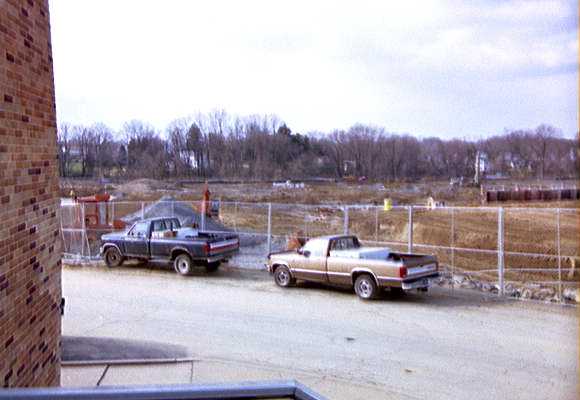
column 167, row 206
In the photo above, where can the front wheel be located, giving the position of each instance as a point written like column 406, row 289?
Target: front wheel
column 282, row 276
column 113, row 257
column 183, row 264
column 365, row 287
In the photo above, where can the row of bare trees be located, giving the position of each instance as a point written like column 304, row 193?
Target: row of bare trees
column 218, row 145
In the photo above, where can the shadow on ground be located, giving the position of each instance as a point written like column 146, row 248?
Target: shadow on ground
column 88, row 349
column 435, row 297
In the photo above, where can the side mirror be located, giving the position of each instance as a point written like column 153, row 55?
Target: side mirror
column 306, row 253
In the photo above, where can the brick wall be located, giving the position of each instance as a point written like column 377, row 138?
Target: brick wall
column 30, row 246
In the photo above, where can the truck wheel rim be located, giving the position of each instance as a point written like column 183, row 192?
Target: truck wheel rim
column 283, row 277
column 364, row 288
column 112, row 257
column 182, row 265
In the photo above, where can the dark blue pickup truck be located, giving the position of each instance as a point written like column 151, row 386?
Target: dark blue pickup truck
column 163, row 239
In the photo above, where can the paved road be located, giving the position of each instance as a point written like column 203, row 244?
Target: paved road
column 420, row 346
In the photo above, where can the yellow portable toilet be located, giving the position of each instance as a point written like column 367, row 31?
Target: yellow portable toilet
column 388, row 205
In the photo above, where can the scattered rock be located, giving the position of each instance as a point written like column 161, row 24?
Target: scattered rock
column 571, row 295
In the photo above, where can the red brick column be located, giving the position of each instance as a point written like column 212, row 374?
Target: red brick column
column 30, row 243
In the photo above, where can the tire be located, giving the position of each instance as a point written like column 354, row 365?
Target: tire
column 113, row 257
column 183, row 264
column 283, row 277
column 365, row 287
column 212, row 266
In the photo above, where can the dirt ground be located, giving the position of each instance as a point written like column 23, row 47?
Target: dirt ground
column 433, row 345
column 317, row 192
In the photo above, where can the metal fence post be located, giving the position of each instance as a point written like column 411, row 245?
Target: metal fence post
column 84, row 230
column 346, row 222
column 235, row 216
column 410, row 233
column 559, row 254
column 452, row 249
column 500, row 250
column 376, row 224
column 269, row 228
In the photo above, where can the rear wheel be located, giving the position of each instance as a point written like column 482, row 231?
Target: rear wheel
column 183, row 264
column 282, row 276
column 365, row 287
column 113, row 257
column 212, row 266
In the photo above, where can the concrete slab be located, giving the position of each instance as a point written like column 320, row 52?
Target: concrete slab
column 81, row 376
column 151, row 374
column 222, row 372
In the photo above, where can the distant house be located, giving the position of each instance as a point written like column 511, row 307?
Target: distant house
column 482, row 163
column 189, row 157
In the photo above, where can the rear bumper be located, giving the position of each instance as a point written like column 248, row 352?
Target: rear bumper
column 221, row 256
column 418, row 283
column 410, row 283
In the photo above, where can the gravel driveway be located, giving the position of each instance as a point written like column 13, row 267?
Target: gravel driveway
column 432, row 345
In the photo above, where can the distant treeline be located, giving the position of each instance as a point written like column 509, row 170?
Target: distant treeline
column 218, row 145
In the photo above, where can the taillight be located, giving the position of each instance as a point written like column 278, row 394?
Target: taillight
column 207, row 248
column 402, row 272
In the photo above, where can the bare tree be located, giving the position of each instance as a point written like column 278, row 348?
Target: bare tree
column 64, row 137
column 541, row 143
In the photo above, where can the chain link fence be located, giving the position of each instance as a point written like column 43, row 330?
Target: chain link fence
column 518, row 252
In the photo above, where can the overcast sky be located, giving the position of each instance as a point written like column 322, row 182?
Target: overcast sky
column 444, row 68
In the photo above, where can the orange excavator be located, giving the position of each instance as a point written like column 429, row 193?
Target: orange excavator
column 96, row 213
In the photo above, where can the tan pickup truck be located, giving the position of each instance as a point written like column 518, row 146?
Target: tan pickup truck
column 341, row 260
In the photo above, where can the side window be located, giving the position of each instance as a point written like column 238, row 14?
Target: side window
column 140, row 229
column 174, row 224
column 159, row 226
column 317, row 248
column 344, row 244
column 337, row 244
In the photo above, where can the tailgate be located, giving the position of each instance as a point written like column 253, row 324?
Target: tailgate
column 418, row 270
column 224, row 245
column 420, row 265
